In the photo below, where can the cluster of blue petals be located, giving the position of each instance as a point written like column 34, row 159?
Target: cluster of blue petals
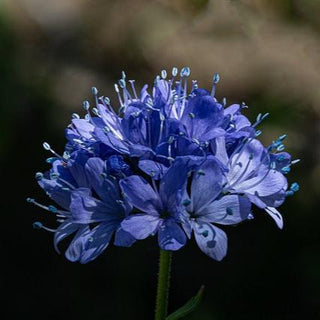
column 171, row 162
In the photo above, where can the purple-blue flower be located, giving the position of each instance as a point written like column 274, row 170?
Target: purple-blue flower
column 171, row 161
column 92, row 206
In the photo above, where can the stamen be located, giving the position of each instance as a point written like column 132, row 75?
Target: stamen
column 260, row 118
column 39, row 176
column 50, row 208
column 38, row 225
column 47, row 147
column 133, row 88
column 295, row 161
column 215, row 80
column 174, row 71
column 194, row 85
column 86, row 105
column 285, row 170
column 224, row 102
column 116, row 88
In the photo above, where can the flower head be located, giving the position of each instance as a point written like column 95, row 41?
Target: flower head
column 171, row 162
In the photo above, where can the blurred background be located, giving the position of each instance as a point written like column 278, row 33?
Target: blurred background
column 267, row 53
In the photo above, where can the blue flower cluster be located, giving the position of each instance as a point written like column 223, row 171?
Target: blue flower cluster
column 165, row 162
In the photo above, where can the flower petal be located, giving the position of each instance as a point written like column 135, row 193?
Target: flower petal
column 140, row 194
column 154, row 169
column 65, row 229
column 140, row 226
column 86, row 209
column 275, row 215
column 211, row 240
column 171, row 236
column 56, row 192
column 206, row 184
column 88, row 244
column 123, row 238
column 202, row 116
column 231, row 209
column 265, row 184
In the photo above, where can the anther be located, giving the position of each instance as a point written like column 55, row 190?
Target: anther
column 122, row 83
column 229, row 211
column 295, row 187
column 224, row 102
column 174, row 71
column 107, row 101
column 185, row 72
column 52, row 209
column 163, row 74
column 171, row 139
column 39, row 176
column 282, row 137
column 54, row 175
column 51, row 160
column 94, row 91
column 186, row 202
column 285, row 170
column 46, row 146
column 216, row 78
column 95, row 111
column 37, row 225
column 205, row 233
column 86, row 105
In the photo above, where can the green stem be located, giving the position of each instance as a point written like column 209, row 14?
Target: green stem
column 163, row 284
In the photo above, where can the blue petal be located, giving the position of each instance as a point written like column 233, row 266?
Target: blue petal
column 171, row 236
column 152, row 168
column 265, row 184
column 86, row 209
column 141, row 195
column 231, row 209
column 83, row 127
column 65, row 229
column 206, row 184
column 111, row 141
column 276, row 216
column 56, row 192
column 211, row 240
column 108, row 190
column 123, row 238
column 94, row 169
column 88, row 244
column 207, row 115
column 174, row 181
column 141, row 151
column 76, row 166
column 140, row 226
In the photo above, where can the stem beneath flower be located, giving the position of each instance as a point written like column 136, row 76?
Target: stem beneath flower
column 163, row 284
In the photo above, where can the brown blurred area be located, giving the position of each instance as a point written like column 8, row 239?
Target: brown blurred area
column 267, row 53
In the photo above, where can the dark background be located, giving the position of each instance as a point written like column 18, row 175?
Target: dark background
column 53, row 52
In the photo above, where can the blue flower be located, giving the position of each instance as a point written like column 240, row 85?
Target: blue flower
column 92, row 206
column 159, row 206
column 172, row 162
column 253, row 172
column 205, row 205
